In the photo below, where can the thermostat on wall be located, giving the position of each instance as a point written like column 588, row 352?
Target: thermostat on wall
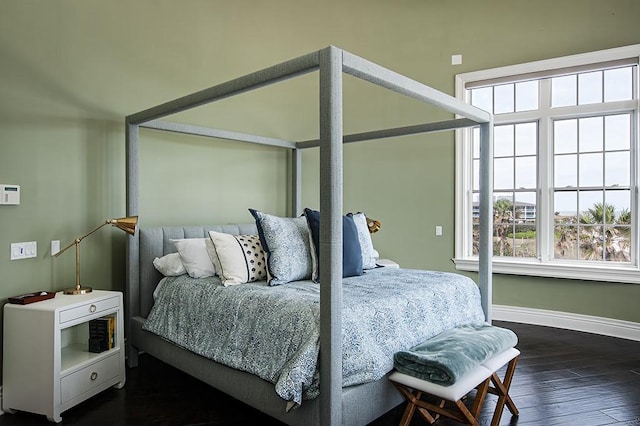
column 9, row 194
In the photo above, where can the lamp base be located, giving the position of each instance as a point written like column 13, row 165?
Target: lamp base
column 78, row 290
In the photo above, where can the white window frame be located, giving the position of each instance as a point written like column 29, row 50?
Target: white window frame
column 594, row 271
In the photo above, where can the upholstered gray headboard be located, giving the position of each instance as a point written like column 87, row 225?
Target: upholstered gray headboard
column 156, row 242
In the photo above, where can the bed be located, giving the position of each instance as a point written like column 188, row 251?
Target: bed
column 336, row 404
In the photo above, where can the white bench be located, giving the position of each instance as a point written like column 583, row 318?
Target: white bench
column 480, row 378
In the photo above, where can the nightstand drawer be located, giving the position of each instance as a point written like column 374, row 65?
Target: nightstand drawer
column 75, row 384
column 88, row 309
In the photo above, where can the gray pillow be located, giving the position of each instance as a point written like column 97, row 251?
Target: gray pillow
column 369, row 254
column 286, row 242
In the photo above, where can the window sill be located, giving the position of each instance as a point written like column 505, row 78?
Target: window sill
column 574, row 271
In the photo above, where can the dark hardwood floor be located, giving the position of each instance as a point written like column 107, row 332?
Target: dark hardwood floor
column 563, row 378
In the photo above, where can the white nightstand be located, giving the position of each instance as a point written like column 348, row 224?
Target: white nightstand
column 387, row 263
column 47, row 366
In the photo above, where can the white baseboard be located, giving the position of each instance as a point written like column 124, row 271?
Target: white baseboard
column 578, row 322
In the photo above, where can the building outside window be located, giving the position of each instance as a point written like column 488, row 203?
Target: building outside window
column 565, row 162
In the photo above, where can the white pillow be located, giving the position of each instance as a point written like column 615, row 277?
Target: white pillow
column 241, row 258
column 170, row 265
column 195, row 257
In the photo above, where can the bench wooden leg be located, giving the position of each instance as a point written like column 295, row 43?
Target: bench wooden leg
column 431, row 419
column 413, row 402
column 431, row 412
column 501, row 388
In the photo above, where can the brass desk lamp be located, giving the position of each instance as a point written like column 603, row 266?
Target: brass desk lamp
column 127, row 224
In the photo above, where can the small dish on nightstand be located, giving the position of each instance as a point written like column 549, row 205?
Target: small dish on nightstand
column 25, row 299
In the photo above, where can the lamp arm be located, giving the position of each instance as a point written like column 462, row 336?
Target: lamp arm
column 77, row 240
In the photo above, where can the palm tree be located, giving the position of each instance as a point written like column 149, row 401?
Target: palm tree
column 600, row 213
column 502, row 222
column 603, row 238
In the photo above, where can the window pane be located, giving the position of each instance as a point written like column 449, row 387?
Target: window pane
column 591, row 243
column 526, row 138
column 476, row 175
column 590, row 207
column 524, row 240
column 590, row 88
column 565, row 208
column 475, row 242
column 526, row 172
column 617, row 168
column 620, row 204
column 503, row 173
column 503, row 227
column 476, row 143
column 590, row 134
column 565, row 136
column 483, row 98
column 565, row 229
column 590, row 170
column 527, row 96
column 565, row 171
column 617, row 131
column 503, row 98
column 503, row 141
column 618, row 244
column 565, row 242
column 618, row 84
column 563, row 91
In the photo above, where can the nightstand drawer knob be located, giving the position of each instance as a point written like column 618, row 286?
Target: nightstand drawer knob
column 94, row 376
column 92, row 308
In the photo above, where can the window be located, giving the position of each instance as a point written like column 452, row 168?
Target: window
column 565, row 167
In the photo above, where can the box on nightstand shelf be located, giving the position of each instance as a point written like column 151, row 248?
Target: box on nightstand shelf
column 102, row 334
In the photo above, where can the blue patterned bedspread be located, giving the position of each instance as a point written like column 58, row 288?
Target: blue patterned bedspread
column 273, row 332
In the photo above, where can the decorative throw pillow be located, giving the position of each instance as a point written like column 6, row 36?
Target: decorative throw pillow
column 286, row 242
column 170, row 265
column 241, row 257
column 195, row 257
column 369, row 254
column 351, row 252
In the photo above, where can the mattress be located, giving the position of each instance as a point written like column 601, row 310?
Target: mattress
column 273, row 332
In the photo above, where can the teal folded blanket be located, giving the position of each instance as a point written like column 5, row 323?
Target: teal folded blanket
column 450, row 355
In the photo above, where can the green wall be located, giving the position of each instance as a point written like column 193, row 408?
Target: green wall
column 72, row 70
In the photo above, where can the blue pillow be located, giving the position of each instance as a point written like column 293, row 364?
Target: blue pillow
column 351, row 251
column 286, row 242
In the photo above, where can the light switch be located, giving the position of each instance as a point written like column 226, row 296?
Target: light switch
column 55, row 247
column 438, row 231
column 24, row 250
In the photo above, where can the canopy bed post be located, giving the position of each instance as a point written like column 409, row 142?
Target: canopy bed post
column 331, row 236
column 132, row 295
column 485, row 250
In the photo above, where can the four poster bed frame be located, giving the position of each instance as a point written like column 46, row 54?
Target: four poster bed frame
column 336, row 405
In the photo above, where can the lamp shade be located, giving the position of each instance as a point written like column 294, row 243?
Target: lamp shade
column 127, row 224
